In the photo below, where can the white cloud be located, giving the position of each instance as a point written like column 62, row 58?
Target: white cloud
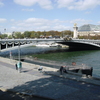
column 40, row 24
column 60, row 27
column 87, row 12
column 13, row 27
column 64, row 3
column 37, row 21
column 78, row 4
column 46, row 4
column 27, row 9
column 80, row 21
column 25, row 2
column 12, row 20
column 1, row 4
column 70, row 4
column 43, row 28
column 2, row 20
column 98, row 22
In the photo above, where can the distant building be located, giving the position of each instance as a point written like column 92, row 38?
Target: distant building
column 8, row 33
column 89, row 29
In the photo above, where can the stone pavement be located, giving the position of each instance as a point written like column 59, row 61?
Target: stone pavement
column 15, row 96
column 48, row 84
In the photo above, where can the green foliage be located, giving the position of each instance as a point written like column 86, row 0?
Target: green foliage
column 27, row 34
column 67, row 32
column 10, row 37
column 17, row 35
column 3, row 36
column 32, row 34
column 36, row 34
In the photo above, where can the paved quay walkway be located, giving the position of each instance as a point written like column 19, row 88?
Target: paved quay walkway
column 48, row 84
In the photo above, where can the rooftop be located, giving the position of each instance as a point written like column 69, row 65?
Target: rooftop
column 89, row 27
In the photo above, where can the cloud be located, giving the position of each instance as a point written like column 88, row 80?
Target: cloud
column 25, row 2
column 78, row 4
column 36, row 21
column 88, row 12
column 2, row 20
column 98, row 22
column 60, row 27
column 69, row 4
column 1, row 4
column 46, row 4
column 12, row 20
column 38, row 24
column 80, row 21
column 28, row 10
column 41, row 24
column 64, row 3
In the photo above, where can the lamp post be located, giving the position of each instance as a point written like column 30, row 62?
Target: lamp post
column 19, row 51
column 19, row 64
column 5, row 30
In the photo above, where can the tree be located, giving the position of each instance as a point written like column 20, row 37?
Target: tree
column 18, row 35
column 52, row 33
column 3, row 36
column 44, row 34
column 13, row 34
column 27, row 34
column 32, row 34
column 10, row 37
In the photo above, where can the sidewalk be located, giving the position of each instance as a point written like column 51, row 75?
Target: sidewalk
column 48, row 84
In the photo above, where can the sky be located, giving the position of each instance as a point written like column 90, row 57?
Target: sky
column 46, row 15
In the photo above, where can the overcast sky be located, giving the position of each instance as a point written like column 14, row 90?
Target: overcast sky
column 40, row 15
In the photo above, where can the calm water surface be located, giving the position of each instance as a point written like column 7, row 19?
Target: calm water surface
column 89, row 58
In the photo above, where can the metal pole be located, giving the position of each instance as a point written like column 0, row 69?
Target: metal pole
column 19, row 51
column 10, row 55
column 0, row 47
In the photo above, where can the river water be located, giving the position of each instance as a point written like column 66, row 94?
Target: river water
column 90, row 58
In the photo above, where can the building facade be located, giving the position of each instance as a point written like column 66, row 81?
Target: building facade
column 89, row 30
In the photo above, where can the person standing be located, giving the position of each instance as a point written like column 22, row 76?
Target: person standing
column 19, row 65
column 61, row 70
column 16, row 66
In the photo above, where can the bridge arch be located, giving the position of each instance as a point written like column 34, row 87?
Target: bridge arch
column 82, row 44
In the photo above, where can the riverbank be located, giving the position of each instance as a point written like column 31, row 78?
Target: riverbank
column 48, row 84
column 89, row 58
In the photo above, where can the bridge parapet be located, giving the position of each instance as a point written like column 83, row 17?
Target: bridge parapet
column 5, row 43
column 88, row 41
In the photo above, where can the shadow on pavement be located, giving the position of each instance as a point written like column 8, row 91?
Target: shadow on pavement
column 9, row 96
column 55, row 88
column 14, row 96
